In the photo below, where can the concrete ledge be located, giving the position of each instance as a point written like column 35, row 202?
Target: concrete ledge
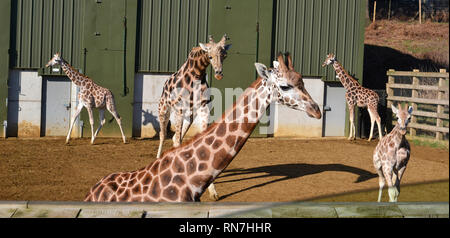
column 22, row 209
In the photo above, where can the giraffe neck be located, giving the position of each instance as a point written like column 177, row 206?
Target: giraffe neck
column 76, row 77
column 396, row 135
column 197, row 61
column 221, row 142
column 347, row 81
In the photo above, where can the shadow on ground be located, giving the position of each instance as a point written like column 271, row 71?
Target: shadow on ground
column 290, row 171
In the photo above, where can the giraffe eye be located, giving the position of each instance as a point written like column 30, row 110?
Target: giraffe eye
column 286, row 87
column 210, row 57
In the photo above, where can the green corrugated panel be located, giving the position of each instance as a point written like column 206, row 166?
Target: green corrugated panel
column 44, row 27
column 168, row 29
column 309, row 30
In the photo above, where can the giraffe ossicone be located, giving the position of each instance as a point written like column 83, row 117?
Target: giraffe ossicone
column 183, row 173
column 90, row 96
column 392, row 154
column 356, row 95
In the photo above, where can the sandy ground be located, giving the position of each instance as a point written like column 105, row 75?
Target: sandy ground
column 266, row 170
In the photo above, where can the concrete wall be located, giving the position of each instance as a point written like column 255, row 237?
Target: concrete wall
column 292, row 123
column 147, row 92
column 24, row 103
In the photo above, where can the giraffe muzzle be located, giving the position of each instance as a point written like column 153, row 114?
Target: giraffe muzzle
column 218, row 75
column 313, row 111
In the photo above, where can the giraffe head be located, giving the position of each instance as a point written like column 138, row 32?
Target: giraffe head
column 288, row 86
column 217, row 52
column 331, row 58
column 403, row 116
column 54, row 61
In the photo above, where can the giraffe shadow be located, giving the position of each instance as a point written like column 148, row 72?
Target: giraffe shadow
column 149, row 118
column 289, row 171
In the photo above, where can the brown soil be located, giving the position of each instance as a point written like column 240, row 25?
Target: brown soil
column 268, row 170
column 427, row 41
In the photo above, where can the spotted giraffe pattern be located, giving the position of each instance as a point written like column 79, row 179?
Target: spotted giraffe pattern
column 183, row 173
column 392, row 153
column 356, row 95
column 185, row 93
column 90, row 96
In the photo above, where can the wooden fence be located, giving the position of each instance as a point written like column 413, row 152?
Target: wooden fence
column 436, row 84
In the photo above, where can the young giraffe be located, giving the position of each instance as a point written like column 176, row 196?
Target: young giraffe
column 183, row 173
column 356, row 95
column 184, row 93
column 90, row 96
column 391, row 155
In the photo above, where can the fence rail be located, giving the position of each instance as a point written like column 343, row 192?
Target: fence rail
column 441, row 89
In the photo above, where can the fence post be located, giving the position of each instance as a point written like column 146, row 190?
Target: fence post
column 440, row 108
column 390, row 92
column 415, row 94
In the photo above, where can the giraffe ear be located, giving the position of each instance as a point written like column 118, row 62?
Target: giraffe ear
column 262, row 70
column 204, row 47
column 410, row 109
column 276, row 64
column 227, row 47
column 394, row 109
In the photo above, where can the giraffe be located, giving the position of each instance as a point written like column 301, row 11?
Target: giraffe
column 184, row 93
column 183, row 173
column 90, row 96
column 391, row 155
column 356, row 95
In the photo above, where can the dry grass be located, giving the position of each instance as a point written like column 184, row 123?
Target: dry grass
column 429, row 40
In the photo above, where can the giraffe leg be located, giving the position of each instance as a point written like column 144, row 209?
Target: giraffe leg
column 352, row 125
column 402, row 155
column 381, row 183
column 378, row 120
column 77, row 112
column 392, row 191
column 118, row 120
column 91, row 121
column 372, row 123
column 178, row 127
column 187, row 122
column 101, row 114
column 164, row 117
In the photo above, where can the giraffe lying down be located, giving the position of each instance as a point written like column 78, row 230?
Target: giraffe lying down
column 183, row 173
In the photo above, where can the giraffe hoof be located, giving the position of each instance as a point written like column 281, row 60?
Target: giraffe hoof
column 214, row 197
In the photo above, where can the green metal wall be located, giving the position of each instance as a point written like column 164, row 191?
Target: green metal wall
column 41, row 28
column 112, row 40
column 167, row 31
column 5, row 12
column 309, row 30
column 110, row 43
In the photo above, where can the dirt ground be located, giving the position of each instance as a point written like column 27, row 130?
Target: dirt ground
column 266, row 170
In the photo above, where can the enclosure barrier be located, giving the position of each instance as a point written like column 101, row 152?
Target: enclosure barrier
column 438, row 86
column 27, row 209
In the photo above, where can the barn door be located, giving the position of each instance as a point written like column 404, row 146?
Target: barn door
column 56, row 106
column 239, row 20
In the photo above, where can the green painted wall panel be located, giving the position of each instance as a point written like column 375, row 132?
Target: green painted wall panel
column 5, row 15
column 110, row 59
column 309, row 30
column 168, row 30
column 44, row 27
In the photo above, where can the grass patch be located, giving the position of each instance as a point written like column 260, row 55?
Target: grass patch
column 429, row 142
